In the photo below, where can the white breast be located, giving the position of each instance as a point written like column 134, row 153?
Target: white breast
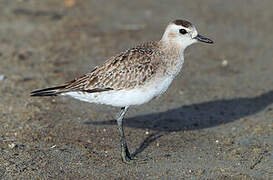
column 129, row 97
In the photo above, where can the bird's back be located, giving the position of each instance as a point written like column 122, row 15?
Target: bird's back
column 130, row 69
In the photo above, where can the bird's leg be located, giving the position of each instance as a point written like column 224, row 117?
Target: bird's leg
column 125, row 154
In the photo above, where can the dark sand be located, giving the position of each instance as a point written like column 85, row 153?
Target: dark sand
column 214, row 122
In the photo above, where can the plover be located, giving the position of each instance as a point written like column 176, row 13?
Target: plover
column 135, row 76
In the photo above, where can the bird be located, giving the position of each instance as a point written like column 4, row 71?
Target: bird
column 134, row 76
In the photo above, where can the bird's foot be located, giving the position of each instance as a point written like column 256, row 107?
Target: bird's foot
column 129, row 159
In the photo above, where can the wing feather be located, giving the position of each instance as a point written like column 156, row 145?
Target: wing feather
column 127, row 70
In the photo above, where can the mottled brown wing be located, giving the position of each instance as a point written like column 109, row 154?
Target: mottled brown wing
column 127, row 70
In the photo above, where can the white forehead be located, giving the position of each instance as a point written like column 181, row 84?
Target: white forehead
column 173, row 28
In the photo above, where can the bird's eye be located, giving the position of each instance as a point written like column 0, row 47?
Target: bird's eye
column 182, row 31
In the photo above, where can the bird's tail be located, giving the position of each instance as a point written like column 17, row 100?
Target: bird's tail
column 53, row 91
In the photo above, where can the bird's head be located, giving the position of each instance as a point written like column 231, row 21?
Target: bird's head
column 183, row 33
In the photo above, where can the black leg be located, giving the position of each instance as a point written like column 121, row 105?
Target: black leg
column 125, row 154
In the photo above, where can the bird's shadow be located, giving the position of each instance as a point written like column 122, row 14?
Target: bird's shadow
column 195, row 116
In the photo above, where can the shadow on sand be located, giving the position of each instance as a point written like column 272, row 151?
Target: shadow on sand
column 195, row 116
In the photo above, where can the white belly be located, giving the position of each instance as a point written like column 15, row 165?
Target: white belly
column 124, row 98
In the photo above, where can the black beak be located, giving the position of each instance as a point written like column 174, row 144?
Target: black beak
column 203, row 39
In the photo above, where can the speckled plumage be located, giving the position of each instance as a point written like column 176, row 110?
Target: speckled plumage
column 129, row 69
column 135, row 76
